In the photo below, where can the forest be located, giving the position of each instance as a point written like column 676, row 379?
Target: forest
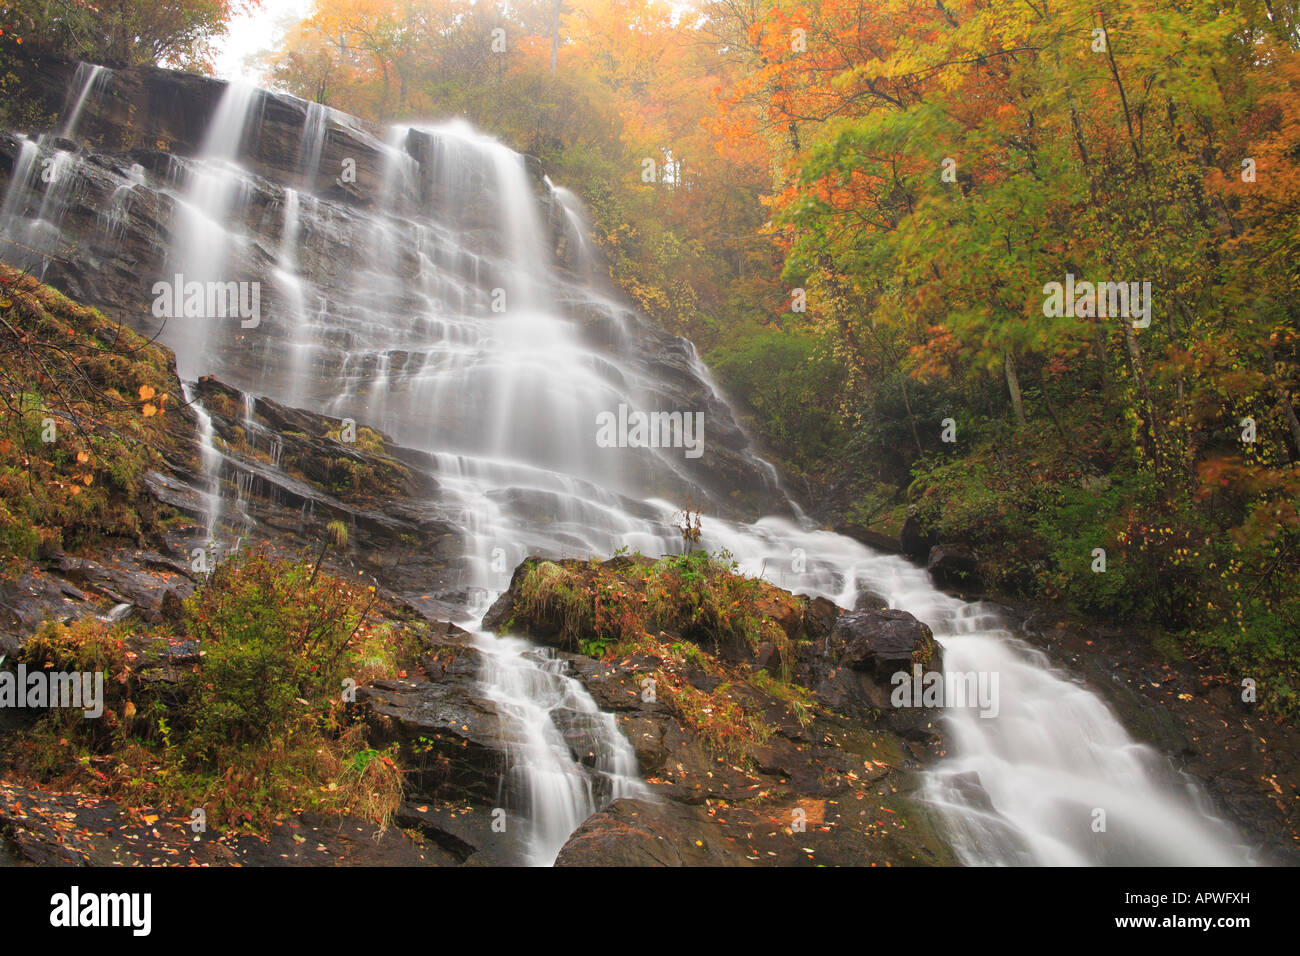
column 966, row 331
column 855, row 209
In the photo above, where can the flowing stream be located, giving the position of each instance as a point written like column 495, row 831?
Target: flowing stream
column 437, row 312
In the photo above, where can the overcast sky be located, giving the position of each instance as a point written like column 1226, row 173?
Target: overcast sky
column 255, row 32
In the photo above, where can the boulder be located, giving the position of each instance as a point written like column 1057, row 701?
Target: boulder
column 767, row 656
column 915, row 539
column 954, row 566
column 881, row 643
column 819, row 617
column 633, row 832
column 32, row 597
column 870, row 537
column 870, row 600
column 852, row 667
column 450, row 735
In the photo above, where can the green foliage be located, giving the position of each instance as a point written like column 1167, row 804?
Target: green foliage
column 1259, row 640
column 337, row 532
column 123, row 32
column 791, row 384
column 556, row 598
column 276, row 647
column 601, row 609
column 800, row 700
column 255, row 731
column 617, row 609
column 702, row 597
column 1034, row 518
column 18, row 110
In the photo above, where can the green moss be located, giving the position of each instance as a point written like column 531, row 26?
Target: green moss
column 86, row 413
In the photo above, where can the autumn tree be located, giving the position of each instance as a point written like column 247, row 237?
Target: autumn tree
column 125, row 32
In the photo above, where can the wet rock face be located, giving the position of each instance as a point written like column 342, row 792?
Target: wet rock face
column 63, row 588
column 44, row 828
column 450, row 737
column 295, row 477
column 809, row 788
column 915, row 539
column 850, row 756
column 637, row 833
column 869, row 600
column 854, row 669
column 882, row 643
column 956, row 567
column 281, row 469
column 388, row 226
column 33, row 597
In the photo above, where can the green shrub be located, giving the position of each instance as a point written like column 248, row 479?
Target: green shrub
column 275, row 642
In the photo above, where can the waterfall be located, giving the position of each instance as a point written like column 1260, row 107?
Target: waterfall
column 1055, row 763
column 117, row 217
column 292, row 287
column 578, row 228
column 212, row 196
column 20, row 181
column 537, row 699
column 210, row 459
column 1024, row 786
column 42, row 187
column 88, row 78
column 434, row 308
column 313, row 142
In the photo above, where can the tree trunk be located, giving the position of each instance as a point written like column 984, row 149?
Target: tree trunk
column 1051, row 410
column 911, row 419
column 1013, row 386
column 1149, row 431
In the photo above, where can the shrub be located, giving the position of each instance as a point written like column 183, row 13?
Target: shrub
column 275, row 639
column 258, row 729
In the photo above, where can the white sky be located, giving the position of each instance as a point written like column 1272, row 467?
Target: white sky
column 250, row 34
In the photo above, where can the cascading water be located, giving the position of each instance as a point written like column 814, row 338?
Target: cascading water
column 212, row 194
column 435, row 309
column 209, row 461
column 88, row 77
column 1022, row 785
column 543, row 707
column 114, row 220
column 313, row 141
column 42, row 186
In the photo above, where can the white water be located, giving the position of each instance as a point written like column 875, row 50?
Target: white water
column 313, row 141
column 531, row 690
column 210, row 459
column 387, row 316
column 213, row 193
column 41, row 189
column 87, row 78
column 117, row 217
column 1053, row 755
